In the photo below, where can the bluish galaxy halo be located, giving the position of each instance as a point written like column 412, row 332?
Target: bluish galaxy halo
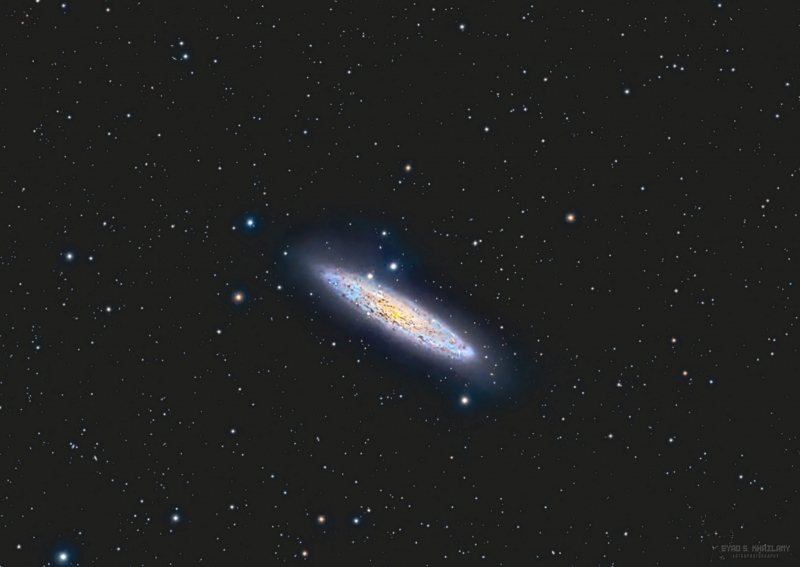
column 371, row 290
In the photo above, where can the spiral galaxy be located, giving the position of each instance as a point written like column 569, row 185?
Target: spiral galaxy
column 396, row 313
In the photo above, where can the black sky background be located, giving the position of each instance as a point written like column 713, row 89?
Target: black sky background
column 651, row 399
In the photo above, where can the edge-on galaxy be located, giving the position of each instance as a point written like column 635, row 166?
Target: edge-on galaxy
column 396, row 313
column 376, row 293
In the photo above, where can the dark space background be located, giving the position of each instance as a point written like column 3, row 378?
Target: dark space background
column 607, row 190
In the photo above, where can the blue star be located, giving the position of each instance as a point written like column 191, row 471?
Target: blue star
column 62, row 557
column 63, row 552
column 175, row 520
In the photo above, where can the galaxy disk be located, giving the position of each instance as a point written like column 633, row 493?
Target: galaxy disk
column 396, row 314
